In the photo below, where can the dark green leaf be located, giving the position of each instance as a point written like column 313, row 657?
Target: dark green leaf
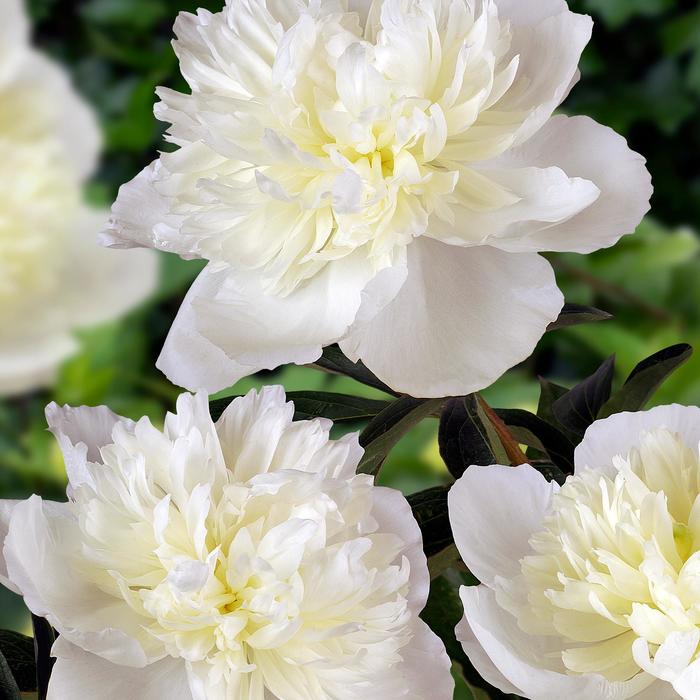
column 44, row 638
column 579, row 407
column 532, row 431
column 334, row 361
column 339, row 408
column 430, row 511
column 389, row 426
column 645, row 379
column 18, row 651
column 465, row 436
column 575, row 314
column 8, row 686
column 549, row 393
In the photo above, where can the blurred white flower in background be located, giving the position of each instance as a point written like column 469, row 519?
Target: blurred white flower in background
column 591, row 590
column 380, row 175
column 242, row 560
column 54, row 277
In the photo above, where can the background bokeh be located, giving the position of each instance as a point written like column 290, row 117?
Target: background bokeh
column 640, row 75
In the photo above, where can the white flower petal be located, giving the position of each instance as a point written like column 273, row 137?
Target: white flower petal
column 545, row 197
column 591, row 153
column 621, row 432
column 393, row 513
column 140, row 215
column 493, row 512
column 228, row 327
column 30, row 362
column 687, row 684
column 523, row 659
column 105, row 284
column 427, row 666
column 481, row 660
column 528, row 13
column 14, row 35
column 39, row 547
column 549, row 48
column 81, row 432
column 64, row 114
column 258, row 436
column 6, row 509
column 78, row 674
column 462, row 318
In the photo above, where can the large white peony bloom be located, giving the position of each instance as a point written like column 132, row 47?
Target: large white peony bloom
column 242, row 560
column 53, row 275
column 591, row 590
column 380, row 175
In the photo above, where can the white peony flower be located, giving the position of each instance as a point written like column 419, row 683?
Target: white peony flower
column 591, row 590
column 53, row 275
column 380, row 175
column 242, row 560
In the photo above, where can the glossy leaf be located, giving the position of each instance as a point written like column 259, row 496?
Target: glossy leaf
column 579, row 407
column 44, row 637
column 339, row 408
column 333, row 360
column 430, row 511
column 9, row 689
column 532, row 431
column 645, row 379
column 18, row 651
column 465, row 436
column 549, row 393
column 389, row 426
column 575, row 314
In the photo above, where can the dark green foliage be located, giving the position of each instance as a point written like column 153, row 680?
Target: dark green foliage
column 574, row 314
column 388, row 427
column 18, row 652
column 464, row 437
column 430, row 511
column 44, row 637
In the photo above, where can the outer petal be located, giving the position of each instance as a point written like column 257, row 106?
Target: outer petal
column 393, row 513
column 78, row 674
column 549, row 40
column 526, row 13
column 426, row 666
column 480, row 659
column 31, row 362
column 106, row 284
column 463, row 317
column 81, row 432
column 493, row 512
column 587, row 151
column 40, row 544
column 524, row 659
column 619, row 433
column 6, row 510
column 141, row 215
column 228, row 327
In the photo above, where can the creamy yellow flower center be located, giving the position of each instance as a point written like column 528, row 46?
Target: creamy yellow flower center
column 618, row 559
column 337, row 136
column 239, row 577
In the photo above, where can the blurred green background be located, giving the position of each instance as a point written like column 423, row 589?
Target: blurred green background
column 640, row 75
